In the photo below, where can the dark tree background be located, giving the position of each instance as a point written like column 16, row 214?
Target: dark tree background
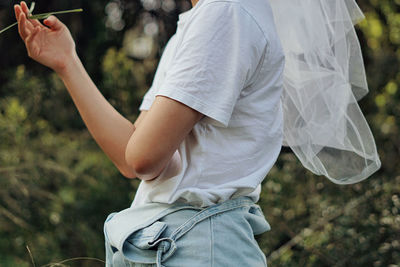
column 57, row 187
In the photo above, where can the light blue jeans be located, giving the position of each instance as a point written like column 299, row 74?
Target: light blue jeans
column 181, row 235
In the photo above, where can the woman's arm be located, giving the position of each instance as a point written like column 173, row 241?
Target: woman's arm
column 55, row 48
column 141, row 150
column 158, row 136
column 108, row 127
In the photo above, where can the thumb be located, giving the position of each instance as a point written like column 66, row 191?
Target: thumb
column 53, row 23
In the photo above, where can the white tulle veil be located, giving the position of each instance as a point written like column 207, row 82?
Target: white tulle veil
column 323, row 80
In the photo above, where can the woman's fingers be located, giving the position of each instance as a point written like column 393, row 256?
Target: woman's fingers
column 54, row 23
column 31, row 46
column 18, row 11
column 25, row 9
column 28, row 23
column 23, row 28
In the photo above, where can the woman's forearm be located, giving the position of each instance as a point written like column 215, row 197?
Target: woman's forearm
column 107, row 126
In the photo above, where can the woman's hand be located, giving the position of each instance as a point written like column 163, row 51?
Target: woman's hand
column 51, row 46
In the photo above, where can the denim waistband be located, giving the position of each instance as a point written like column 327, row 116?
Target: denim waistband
column 122, row 225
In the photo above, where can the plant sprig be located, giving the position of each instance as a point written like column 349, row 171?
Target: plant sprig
column 41, row 16
column 46, row 15
column 8, row 27
column 31, row 8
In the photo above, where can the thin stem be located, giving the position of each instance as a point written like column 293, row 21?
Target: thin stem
column 46, row 15
column 31, row 8
column 30, row 254
column 8, row 27
column 73, row 259
column 42, row 16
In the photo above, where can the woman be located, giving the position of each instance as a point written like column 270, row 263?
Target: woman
column 209, row 131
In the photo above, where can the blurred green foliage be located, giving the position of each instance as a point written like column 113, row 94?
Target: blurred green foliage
column 57, row 187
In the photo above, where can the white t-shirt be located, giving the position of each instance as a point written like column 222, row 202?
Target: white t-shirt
column 225, row 61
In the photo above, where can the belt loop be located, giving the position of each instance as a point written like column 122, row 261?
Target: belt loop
column 159, row 255
column 166, row 248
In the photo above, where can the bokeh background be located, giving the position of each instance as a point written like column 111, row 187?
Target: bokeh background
column 57, row 187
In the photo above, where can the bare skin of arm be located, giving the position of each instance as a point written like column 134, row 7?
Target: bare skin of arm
column 142, row 149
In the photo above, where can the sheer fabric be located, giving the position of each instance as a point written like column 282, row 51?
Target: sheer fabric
column 323, row 80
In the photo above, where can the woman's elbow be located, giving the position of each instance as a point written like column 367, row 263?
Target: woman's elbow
column 144, row 169
column 127, row 172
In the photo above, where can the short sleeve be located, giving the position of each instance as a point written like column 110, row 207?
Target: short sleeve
column 148, row 99
column 220, row 50
column 159, row 76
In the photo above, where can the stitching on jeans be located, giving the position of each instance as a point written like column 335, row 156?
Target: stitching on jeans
column 211, row 242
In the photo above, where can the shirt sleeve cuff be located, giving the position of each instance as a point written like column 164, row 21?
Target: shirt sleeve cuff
column 146, row 103
column 218, row 116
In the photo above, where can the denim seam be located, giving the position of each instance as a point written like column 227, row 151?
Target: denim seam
column 211, row 242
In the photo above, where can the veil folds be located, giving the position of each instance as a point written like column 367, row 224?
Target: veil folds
column 324, row 77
